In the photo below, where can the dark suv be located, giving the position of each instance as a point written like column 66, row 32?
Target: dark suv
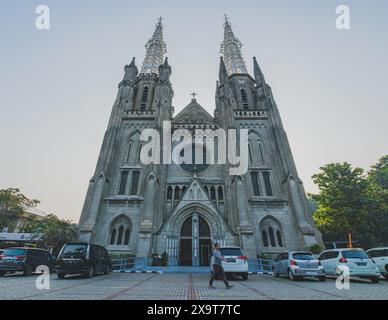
column 82, row 258
column 25, row 260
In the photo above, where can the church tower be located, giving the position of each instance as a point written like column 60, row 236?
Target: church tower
column 270, row 198
column 182, row 209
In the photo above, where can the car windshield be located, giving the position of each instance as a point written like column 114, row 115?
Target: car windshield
column 303, row 256
column 378, row 253
column 14, row 252
column 231, row 252
column 74, row 251
column 354, row 254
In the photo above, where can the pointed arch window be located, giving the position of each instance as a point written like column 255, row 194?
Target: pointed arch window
column 206, row 190
column 267, row 183
column 279, row 238
column 243, row 96
column 135, row 182
column 213, row 193
column 120, row 236
column 126, row 236
column 113, row 236
column 255, row 184
column 120, row 231
column 169, row 193
column 176, row 193
column 264, row 236
column 123, row 182
column 144, row 97
column 220, row 194
column 271, row 237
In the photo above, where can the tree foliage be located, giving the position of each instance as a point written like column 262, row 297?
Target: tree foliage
column 353, row 201
column 55, row 231
column 12, row 205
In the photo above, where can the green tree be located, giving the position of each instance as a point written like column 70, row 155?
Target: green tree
column 379, row 173
column 342, row 199
column 55, row 231
column 377, row 213
column 12, row 205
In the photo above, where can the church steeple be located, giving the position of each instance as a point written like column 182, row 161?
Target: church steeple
column 259, row 78
column 231, row 50
column 155, row 50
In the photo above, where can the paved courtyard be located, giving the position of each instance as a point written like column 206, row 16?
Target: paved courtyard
column 183, row 286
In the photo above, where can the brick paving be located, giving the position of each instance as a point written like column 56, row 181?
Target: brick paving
column 184, row 286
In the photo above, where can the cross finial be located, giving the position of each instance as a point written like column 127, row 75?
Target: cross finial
column 160, row 20
column 226, row 18
column 194, row 95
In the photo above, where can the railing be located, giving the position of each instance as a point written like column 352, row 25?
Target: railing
column 260, row 265
column 138, row 264
column 130, row 263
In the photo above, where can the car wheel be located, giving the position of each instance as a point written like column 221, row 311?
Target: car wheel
column 91, row 272
column 375, row 279
column 291, row 276
column 322, row 278
column 275, row 273
column 385, row 276
column 2, row 273
column 245, row 276
column 61, row 275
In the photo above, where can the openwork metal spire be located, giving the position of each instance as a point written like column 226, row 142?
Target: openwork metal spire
column 231, row 50
column 155, row 50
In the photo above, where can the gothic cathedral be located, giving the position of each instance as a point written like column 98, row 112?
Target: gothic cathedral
column 183, row 209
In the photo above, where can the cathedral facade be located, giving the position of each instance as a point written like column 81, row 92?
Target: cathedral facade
column 183, row 209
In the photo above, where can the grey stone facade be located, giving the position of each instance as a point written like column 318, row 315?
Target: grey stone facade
column 142, row 209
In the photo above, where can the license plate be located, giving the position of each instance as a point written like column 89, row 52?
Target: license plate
column 310, row 273
column 361, row 264
column 231, row 260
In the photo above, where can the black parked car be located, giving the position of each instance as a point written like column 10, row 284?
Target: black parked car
column 25, row 260
column 82, row 258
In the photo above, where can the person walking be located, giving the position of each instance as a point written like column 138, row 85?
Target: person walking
column 218, row 270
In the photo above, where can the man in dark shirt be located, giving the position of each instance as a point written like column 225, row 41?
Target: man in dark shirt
column 218, row 270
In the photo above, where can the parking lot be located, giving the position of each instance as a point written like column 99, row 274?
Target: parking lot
column 184, row 286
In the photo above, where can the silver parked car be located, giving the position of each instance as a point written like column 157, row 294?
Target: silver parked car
column 298, row 264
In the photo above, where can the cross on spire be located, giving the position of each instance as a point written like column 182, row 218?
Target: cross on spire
column 160, row 20
column 226, row 18
column 194, row 95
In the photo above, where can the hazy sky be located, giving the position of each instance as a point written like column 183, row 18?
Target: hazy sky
column 57, row 87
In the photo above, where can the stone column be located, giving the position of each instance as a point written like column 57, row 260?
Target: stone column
column 87, row 227
column 245, row 228
column 195, row 239
column 146, row 226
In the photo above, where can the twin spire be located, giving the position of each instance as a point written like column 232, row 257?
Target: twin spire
column 155, row 50
column 230, row 49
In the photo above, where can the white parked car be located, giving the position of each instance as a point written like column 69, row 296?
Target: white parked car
column 358, row 262
column 380, row 257
column 236, row 261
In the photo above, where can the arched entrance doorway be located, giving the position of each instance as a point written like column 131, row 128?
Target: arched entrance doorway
column 195, row 242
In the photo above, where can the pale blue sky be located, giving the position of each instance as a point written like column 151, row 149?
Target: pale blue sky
column 57, row 87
